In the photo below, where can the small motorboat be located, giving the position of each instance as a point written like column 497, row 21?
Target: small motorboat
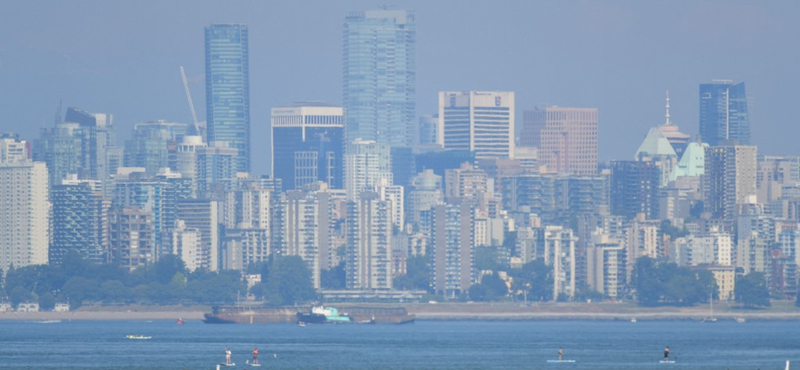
column 139, row 337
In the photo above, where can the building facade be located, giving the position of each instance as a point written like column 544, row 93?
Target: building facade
column 478, row 121
column 24, row 214
column 308, row 145
column 566, row 138
column 724, row 118
column 228, row 89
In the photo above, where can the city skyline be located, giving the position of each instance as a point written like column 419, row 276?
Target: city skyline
column 664, row 63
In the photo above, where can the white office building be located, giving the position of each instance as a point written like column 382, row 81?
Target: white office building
column 479, row 121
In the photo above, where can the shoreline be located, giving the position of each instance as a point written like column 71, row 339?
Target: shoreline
column 781, row 311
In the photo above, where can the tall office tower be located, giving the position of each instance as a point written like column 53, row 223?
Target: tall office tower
column 424, row 193
column 677, row 139
column 247, row 219
column 153, row 145
column 453, row 244
column 307, row 144
column 60, row 148
column 656, row 149
column 479, row 121
column 216, row 170
column 380, row 76
column 404, row 166
column 566, row 138
column 98, row 138
column 369, row 232
column 301, row 223
column 468, row 183
column 724, row 119
column 557, row 247
column 186, row 243
column 131, row 237
column 367, row 164
column 634, row 189
column 429, row 130
column 202, row 214
column 24, row 214
column 228, row 89
column 80, row 221
column 12, row 149
column 186, row 159
column 729, row 180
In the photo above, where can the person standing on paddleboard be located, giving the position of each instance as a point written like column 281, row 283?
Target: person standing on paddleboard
column 255, row 355
column 228, row 357
column 560, row 353
column 666, row 353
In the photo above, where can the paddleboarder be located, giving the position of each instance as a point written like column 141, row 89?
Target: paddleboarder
column 666, row 353
column 560, row 353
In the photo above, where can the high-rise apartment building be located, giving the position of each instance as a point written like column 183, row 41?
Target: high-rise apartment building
column 186, row 245
column 367, row 164
column 429, row 130
column 566, row 138
column 634, row 188
column 380, row 76
column 300, row 230
column 13, row 150
column 153, row 145
column 307, row 145
column 247, row 217
column 724, row 119
column 453, row 247
column 131, row 237
column 228, row 89
column 186, row 159
column 424, row 193
column 215, row 169
column 479, row 121
column 80, row 221
column 729, row 180
column 24, row 214
column 202, row 215
column 369, row 230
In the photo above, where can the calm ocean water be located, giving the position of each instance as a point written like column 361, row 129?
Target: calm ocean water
column 424, row 345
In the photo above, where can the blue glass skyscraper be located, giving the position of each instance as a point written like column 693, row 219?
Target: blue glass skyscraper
column 228, row 89
column 379, row 76
column 723, row 113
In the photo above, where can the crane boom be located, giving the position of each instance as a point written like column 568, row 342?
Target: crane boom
column 191, row 103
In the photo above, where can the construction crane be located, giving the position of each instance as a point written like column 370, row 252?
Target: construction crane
column 191, row 103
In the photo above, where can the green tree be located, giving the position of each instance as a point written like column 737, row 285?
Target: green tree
column 751, row 290
column 491, row 259
column 167, row 266
column 47, row 301
column 417, row 275
column 80, row 289
column 491, row 288
column 334, row 278
column 114, row 291
column 288, row 282
column 536, row 278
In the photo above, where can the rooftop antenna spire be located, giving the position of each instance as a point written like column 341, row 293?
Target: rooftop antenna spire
column 667, row 115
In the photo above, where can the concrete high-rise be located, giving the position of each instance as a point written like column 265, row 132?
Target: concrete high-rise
column 566, row 138
column 453, row 245
column 228, row 89
column 379, row 60
column 729, row 179
column 24, row 214
column 13, row 150
column 367, row 165
column 202, row 214
column 479, row 121
column 307, row 144
column 80, row 221
column 724, row 119
column 369, row 230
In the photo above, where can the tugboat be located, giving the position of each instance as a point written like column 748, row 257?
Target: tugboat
column 323, row 315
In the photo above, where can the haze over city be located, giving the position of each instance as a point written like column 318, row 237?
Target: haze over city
column 426, row 184
column 617, row 56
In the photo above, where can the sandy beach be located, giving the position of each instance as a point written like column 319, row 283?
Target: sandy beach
column 454, row 311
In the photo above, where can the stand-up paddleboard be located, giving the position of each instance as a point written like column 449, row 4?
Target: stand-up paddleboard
column 253, row 365
column 667, row 362
column 229, row 365
column 561, row 361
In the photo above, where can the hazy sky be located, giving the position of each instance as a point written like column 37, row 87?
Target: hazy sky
column 618, row 56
